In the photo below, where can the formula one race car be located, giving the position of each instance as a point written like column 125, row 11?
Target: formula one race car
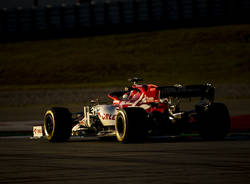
column 141, row 111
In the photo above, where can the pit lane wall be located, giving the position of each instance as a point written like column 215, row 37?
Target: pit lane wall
column 104, row 17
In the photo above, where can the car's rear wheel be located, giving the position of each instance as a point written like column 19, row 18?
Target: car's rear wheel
column 215, row 122
column 57, row 124
column 131, row 125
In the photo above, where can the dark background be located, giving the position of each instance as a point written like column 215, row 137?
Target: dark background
column 55, row 19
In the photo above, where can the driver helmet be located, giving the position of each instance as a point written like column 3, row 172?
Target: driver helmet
column 125, row 96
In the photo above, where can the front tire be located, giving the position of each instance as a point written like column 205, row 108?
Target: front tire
column 57, row 124
column 131, row 125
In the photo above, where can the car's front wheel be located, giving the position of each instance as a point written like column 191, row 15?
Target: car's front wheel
column 57, row 124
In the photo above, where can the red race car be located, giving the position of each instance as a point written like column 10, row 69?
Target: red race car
column 144, row 110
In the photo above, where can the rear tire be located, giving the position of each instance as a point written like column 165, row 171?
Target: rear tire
column 131, row 125
column 57, row 124
column 215, row 122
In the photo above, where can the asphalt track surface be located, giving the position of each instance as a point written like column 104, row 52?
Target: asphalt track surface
column 105, row 161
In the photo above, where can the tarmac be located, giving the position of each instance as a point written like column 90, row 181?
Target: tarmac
column 92, row 160
column 173, row 160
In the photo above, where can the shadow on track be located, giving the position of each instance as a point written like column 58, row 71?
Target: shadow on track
column 164, row 139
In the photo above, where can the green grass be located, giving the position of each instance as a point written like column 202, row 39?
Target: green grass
column 220, row 55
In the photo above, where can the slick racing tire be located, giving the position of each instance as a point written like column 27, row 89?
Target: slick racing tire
column 57, row 124
column 215, row 122
column 131, row 125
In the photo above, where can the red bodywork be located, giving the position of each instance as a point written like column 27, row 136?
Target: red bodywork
column 145, row 96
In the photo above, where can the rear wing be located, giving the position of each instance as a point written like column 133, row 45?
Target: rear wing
column 178, row 91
